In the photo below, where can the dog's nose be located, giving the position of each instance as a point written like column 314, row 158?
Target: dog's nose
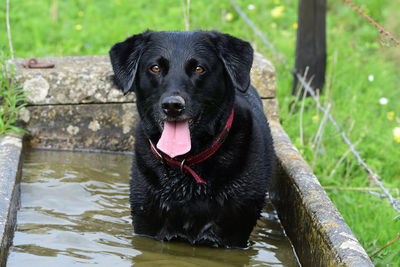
column 173, row 105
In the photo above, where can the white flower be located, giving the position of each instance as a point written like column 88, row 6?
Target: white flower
column 383, row 101
column 251, row 7
column 371, row 78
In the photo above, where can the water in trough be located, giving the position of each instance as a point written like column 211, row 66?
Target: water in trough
column 75, row 211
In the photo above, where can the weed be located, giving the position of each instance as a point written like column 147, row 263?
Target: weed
column 12, row 99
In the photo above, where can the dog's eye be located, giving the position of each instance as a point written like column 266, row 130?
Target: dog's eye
column 155, row 68
column 199, row 69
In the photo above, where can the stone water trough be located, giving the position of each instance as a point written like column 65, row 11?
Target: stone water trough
column 75, row 106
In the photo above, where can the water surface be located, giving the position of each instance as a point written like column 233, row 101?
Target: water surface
column 75, row 212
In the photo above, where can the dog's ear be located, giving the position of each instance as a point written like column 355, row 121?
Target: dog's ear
column 125, row 57
column 237, row 56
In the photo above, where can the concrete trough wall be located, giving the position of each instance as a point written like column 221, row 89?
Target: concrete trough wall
column 10, row 176
column 76, row 106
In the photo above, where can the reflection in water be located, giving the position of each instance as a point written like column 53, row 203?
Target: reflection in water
column 75, row 211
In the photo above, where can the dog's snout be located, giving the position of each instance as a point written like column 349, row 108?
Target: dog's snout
column 173, row 105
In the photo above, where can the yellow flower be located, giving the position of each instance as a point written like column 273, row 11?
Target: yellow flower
column 390, row 115
column 229, row 16
column 80, row 13
column 315, row 118
column 78, row 27
column 396, row 134
column 295, row 25
column 277, row 12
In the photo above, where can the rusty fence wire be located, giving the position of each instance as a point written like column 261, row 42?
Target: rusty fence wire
column 381, row 30
column 375, row 177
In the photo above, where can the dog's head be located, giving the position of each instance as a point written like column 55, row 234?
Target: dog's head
column 182, row 76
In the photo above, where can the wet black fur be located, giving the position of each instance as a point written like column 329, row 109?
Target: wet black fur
column 165, row 203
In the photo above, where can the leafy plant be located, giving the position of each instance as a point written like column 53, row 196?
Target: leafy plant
column 12, row 99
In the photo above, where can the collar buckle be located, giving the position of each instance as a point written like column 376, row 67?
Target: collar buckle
column 182, row 165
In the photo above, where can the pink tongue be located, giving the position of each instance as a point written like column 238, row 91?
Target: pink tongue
column 175, row 138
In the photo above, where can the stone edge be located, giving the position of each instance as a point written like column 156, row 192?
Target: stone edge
column 11, row 154
column 319, row 233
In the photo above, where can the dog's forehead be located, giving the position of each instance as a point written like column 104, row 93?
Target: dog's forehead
column 179, row 45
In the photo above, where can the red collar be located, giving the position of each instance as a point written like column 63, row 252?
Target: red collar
column 185, row 164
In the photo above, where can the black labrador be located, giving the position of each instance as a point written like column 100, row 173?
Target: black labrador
column 203, row 150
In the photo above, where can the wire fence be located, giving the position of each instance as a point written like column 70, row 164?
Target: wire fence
column 306, row 85
column 381, row 30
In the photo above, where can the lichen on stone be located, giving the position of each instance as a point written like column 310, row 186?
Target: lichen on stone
column 38, row 88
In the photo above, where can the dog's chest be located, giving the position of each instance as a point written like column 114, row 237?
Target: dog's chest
column 178, row 188
column 187, row 210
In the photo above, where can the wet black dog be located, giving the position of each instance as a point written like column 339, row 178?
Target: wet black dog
column 203, row 151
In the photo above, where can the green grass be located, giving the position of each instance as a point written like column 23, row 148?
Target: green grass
column 354, row 53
